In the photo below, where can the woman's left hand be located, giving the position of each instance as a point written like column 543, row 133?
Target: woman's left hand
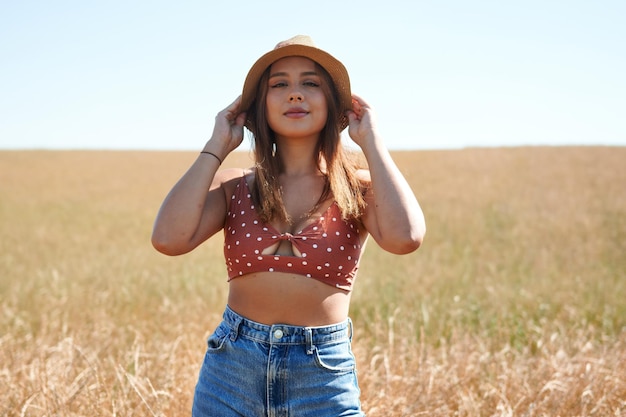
column 361, row 118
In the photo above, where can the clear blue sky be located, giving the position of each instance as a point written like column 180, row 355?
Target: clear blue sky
column 440, row 74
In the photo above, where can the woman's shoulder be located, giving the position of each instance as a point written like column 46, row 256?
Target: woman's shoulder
column 228, row 178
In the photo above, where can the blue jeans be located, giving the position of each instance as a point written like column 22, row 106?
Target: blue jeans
column 251, row 369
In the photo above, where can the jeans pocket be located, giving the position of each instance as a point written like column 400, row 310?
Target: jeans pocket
column 337, row 358
column 216, row 341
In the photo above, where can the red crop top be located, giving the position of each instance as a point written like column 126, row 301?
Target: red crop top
column 327, row 250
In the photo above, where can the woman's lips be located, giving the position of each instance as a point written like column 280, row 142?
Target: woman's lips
column 296, row 112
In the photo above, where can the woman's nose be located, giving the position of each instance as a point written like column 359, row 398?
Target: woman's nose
column 295, row 96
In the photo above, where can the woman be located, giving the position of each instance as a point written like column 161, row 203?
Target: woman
column 294, row 226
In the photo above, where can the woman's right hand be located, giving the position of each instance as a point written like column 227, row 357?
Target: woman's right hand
column 228, row 130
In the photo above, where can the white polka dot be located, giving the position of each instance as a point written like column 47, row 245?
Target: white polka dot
column 305, row 263
column 243, row 225
column 314, row 246
column 271, row 269
column 249, row 264
column 319, row 268
column 327, row 265
column 247, row 234
column 324, row 235
column 329, row 250
column 341, row 247
column 289, row 264
column 259, row 238
column 237, row 243
column 260, row 258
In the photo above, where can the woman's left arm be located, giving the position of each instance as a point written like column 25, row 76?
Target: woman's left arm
column 393, row 216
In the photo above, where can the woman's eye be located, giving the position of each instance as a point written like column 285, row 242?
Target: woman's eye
column 311, row 84
column 278, row 84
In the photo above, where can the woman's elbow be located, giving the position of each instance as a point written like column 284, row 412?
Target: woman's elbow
column 409, row 245
column 166, row 246
column 409, row 242
column 161, row 246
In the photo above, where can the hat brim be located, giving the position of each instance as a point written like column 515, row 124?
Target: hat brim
column 334, row 67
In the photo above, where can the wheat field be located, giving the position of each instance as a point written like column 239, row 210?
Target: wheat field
column 514, row 305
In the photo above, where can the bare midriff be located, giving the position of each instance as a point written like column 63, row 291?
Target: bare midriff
column 282, row 298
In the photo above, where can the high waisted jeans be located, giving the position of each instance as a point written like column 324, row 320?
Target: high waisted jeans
column 251, row 369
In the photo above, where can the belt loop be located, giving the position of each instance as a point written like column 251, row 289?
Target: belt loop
column 234, row 330
column 350, row 329
column 308, row 335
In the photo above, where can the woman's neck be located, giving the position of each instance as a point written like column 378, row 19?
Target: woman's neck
column 298, row 157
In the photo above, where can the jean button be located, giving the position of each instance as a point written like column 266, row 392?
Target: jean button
column 278, row 334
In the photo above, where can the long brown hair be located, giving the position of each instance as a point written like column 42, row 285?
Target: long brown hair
column 338, row 165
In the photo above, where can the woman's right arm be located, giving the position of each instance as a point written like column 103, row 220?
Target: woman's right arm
column 195, row 208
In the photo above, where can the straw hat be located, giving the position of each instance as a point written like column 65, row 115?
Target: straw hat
column 301, row 45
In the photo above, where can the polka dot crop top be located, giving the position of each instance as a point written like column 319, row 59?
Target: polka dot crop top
column 328, row 249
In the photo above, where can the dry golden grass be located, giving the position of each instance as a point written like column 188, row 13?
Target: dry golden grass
column 514, row 306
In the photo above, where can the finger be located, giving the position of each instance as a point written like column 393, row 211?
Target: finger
column 356, row 106
column 360, row 106
column 241, row 119
column 358, row 109
column 232, row 111
column 360, row 100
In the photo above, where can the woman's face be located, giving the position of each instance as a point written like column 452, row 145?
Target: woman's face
column 296, row 104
